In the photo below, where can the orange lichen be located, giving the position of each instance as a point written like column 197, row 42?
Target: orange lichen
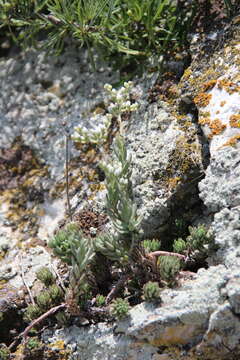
column 217, row 127
column 209, row 85
column 173, row 182
column 204, row 121
column 187, row 73
column 202, row 99
column 222, row 103
column 235, row 121
column 227, row 85
column 232, row 141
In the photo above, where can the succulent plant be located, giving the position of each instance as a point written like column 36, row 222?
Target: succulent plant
column 45, row 276
column 152, row 245
column 100, row 300
column 169, row 266
column 61, row 242
column 120, row 308
column 44, row 300
column 56, row 293
column 151, row 291
column 32, row 312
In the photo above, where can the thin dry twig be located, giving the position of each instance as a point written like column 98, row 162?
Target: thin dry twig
column 116, row 288
column 34, row 323
column 166, row 253
column 24, row 281
column 41, row 318
column 67, row 177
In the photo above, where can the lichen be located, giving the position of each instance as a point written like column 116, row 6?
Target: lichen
column 232, row 141
column 235, row 121
column 227, row 85
column 202, row 99
column 217, row 127
column 208, row 85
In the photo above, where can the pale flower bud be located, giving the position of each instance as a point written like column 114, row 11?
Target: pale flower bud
column 108, row 87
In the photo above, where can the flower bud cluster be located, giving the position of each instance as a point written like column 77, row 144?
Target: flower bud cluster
column 120, row 99
column 119, row 103
column 96, row 135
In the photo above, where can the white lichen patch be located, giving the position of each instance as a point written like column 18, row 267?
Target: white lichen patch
column 217, row 124
column 53, row 212
column 220, row 108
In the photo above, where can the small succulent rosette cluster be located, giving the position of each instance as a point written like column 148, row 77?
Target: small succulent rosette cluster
column 95, row 134
column 120, row 99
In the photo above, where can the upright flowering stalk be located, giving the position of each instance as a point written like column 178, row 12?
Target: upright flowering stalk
column 120, row 101
column 96, row 135
column 121, row 208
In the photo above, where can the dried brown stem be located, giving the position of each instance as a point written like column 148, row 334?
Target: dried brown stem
column 166, row 253
column 35, row 322
column 41, row 318
column 24, row 281
column 116, row 288
column 67, row 177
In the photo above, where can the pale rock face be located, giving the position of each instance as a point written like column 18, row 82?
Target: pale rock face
column 201, row 318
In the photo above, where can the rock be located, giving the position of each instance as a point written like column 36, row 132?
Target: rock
column 166, row 160
column 200, row 319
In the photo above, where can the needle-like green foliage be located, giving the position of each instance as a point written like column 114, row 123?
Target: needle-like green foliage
column 136, row 28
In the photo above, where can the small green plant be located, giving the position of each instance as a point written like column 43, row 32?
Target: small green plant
column 121, row 208
column 33, row 343
column 120, row 308
column 197, row 244
column 151, row 291
column 100, row 300
column 152, row 245
column 56, row 294
column 61, row 242
column 169, row 266
column 44, row 301
column 62, row 318
column 32, row 312
column 45, row 276
column 4, row 352
column 179, row 246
